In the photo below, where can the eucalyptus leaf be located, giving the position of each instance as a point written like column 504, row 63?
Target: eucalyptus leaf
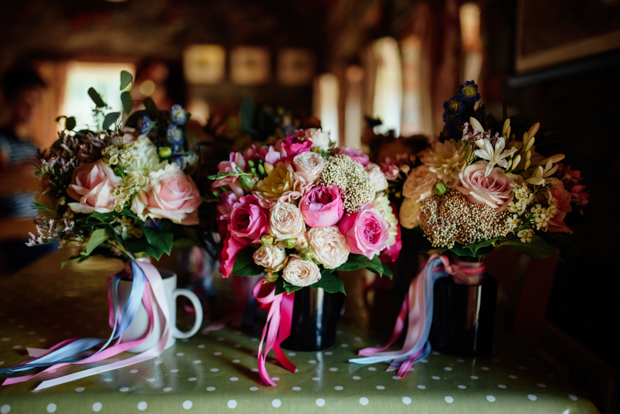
column 537, row 248
column 97, row 99
column 151, row 108
column 127, row 102
column 126, row 79
column 110, row 119
column 96, row 239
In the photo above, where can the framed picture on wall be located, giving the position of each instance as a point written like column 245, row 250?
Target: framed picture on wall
column 553, row 32
column 204, row 64
column 296, row 66
column 250, row 65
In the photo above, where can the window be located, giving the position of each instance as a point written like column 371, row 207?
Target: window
column 388, row 96
column 104, row 77
column 326, row 104
column 469, row 16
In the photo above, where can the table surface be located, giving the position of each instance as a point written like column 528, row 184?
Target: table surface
column 216, row 372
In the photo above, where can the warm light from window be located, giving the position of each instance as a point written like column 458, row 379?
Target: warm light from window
column 147, row 88
column 412, row 86
column 104, row 77
column 469, row 16
column 353, row 107
column 326, row 104
column 388, row 85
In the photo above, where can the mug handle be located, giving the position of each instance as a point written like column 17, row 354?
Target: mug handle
column 198, row 310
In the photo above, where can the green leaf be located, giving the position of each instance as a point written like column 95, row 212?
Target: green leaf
column 110, row 119
column 70, row 123
column 127, row 102
column 159, row 239
column 96, row 239
column 151, row 108
column 97, row 99
column 561, row 242
column 358, row 261
column 244, row 264
column 140, row 245
column 129, row 213
column 474, row 249
column 71, row 259
column 290, row 288
column 132, row 121
column 38, row 206
column 280, row 286
column 537, row 248
column 100, row 217
column 126, row 79
column 330, row 283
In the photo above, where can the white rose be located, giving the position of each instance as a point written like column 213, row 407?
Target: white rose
column 270, row 257
column 309, row 165
column 329, row 246
column 320, row 139
column 377, row 178
column 419, row 185
column 300, row 272
column 286, row 221
column 409, row 213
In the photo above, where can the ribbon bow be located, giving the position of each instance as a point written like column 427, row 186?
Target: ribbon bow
column 277, row 328
column 67, row 352
column 418, row 309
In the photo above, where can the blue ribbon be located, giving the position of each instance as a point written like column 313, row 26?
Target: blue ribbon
column 69, row 352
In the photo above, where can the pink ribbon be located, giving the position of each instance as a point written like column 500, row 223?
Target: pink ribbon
column 154, row 280
column 277, row 328
column 417, row 308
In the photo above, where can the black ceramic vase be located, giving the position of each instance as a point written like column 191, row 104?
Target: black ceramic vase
column 463, row 317
column 315, row 315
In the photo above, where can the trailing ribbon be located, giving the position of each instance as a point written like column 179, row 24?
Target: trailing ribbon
column 418, row 309
column 69, row 351
column 277, row 328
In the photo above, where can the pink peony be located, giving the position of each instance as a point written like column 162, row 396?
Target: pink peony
column 172, row 195
column 225, row 206
column 322, row 206
column 293, row 145
column 355, row 154
column 390, row 253
column 563, row 197
column 493, row 190
column 235, row 160
column 390, row 170
column 248, row 222
column 92, row 186
column 367, row 232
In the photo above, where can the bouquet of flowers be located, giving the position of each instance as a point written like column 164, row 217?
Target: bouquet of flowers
column 300, row 210
column 120, row 194
column 117, row 192
column 472, row 191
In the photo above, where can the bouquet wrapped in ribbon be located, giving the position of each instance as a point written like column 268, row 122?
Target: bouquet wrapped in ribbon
column 471, row 192
column 298, row 211
column 119, row 192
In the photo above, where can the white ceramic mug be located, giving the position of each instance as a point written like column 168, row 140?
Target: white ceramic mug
column 140, row 324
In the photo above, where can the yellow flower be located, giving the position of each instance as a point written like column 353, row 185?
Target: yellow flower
column 280, row 182
column 447, row 160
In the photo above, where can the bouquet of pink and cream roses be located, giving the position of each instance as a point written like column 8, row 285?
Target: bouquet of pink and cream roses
column 301, row 209
column 119, row 191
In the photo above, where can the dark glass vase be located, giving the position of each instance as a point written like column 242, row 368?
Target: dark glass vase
column 315, row 315
column 463, row 317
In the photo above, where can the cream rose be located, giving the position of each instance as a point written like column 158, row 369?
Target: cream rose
column 420, row 182
column 270, row 257
column 329, row 246
column 409, row 214
column 300, row 272
column 493, row 190
column 377, row 178
column 286, row 221
column 320, row 139
column 309, row 165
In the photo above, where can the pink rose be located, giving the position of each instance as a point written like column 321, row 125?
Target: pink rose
column 563, row 198
column 248, row 222
column 235, row 160
column 172, row 195
column 493, row 190
column 367, row 232
column 293, row 145
column 390, row 170
column 355, row 154
column 322, row 206
column 391, row 253
column 92, row 186
column 225, row 206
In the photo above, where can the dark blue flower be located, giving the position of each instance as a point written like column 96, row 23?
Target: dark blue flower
column 178, row 115
column 146, row 125
column 152, row 223
column 174, row 134
column 469, row 92
column 454, row 106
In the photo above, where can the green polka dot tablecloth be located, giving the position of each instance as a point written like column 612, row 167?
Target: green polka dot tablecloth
column 216, row 372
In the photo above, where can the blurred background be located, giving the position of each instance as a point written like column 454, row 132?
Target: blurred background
column 556, row 61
